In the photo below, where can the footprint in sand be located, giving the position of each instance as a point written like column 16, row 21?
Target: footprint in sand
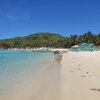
column 71, row 71
column 94, row 89
column 83, row 76
column 79, row 68
column 79, row 65
column 87, row 72
column 98, row 89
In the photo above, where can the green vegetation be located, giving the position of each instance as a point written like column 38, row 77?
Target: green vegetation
column 49, row 40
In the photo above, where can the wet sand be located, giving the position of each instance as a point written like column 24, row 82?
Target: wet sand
column 44, row 86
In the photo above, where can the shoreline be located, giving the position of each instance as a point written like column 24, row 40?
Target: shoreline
column 69, row 76
column 44, row 85
column 38, row 49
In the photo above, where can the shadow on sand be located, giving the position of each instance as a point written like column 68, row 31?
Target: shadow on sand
column 58, row 58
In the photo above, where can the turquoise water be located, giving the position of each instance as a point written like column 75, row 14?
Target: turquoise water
column 18, row 66
column 85, row 48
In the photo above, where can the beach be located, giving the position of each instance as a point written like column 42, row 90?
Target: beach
column 80, row 76
column 28, row 75
column 45, row 85
column 65, row 76
column 75, row 78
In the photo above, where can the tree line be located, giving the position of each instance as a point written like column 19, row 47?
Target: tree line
column 50, row 40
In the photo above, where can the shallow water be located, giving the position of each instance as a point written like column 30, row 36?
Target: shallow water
column 27, row 75
column 85, row 48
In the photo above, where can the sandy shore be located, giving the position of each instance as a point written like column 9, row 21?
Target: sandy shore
column 43, row 86
column 72, row 76
column 80, row 76
column 77, row 78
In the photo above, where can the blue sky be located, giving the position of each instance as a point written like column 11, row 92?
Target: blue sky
column 66, row 17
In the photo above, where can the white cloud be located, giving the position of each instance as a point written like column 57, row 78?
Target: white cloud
column 18, row 17
column 14, row 15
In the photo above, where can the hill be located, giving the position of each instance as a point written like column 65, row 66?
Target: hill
column 50, row 40
column 34, row 40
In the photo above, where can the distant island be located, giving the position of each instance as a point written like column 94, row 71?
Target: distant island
column 50, row 40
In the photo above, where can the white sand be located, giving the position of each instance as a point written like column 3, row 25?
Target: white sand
column 60, row 49
column 80, row 72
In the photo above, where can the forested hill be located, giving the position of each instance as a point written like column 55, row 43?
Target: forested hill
column 34, row 40
column 49, row 40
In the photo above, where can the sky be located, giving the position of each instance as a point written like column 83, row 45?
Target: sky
column 65, row 17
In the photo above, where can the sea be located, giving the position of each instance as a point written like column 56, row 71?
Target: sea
column 28, row 75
